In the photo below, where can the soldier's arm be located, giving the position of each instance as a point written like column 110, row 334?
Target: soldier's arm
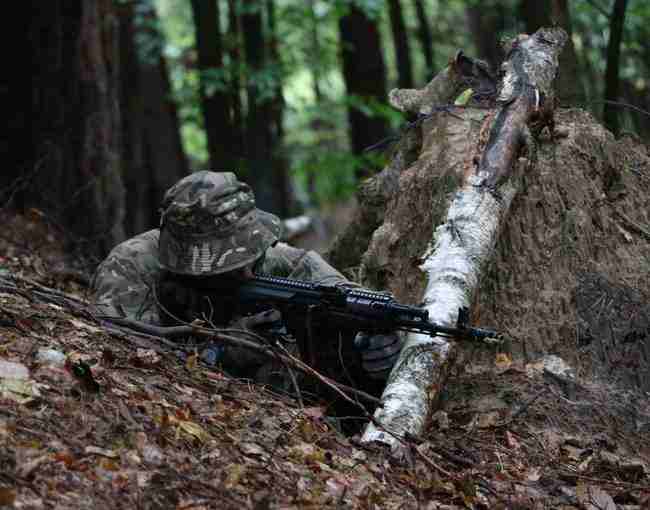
column 298, row 264
column 124, row 283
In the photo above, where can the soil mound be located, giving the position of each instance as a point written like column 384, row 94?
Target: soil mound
column 571, row 270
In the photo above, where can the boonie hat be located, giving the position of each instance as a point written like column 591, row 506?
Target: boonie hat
column 209, row 225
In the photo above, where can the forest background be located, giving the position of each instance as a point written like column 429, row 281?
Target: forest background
column 122, row 98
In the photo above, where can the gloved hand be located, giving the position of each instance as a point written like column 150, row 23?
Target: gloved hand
column 266, row 319
column 379, row 352
column 183, row 302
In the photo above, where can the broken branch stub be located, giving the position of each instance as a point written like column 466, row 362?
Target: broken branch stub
column 462, row 245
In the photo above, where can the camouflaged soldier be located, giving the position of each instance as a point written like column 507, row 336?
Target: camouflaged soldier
column 211, row 236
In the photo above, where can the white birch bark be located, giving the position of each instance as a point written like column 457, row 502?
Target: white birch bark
column 463, row 244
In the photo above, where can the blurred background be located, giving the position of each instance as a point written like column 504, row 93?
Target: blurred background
column 115, row 100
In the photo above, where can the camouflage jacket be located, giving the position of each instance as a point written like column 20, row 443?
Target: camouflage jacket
column 125, row 282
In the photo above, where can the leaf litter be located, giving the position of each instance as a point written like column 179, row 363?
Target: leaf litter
column 107, row 420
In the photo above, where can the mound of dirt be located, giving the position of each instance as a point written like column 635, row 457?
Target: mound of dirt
column 571, row 270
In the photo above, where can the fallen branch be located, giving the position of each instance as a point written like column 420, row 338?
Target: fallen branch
column 226, row 336
column 461, row 246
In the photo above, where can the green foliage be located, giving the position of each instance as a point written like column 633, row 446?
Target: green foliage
column 315, row 117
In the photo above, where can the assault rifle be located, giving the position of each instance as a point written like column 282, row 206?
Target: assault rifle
column 306, row 306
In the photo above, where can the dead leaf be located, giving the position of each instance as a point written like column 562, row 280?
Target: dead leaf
column 11, row 370
column 307, row 452
column 146, row 358
column 571, row 452
column 511, row 441
column 234, row 473
column 192, row 362
column 533, row 475
column 441, row 418
column 593, row 498
column 84, row 326
column 503, row 362
column 252, row 449
column 19, row 390
column 486, row 420
column 7, row 496
column 27, row 468
column 15, row 383
column 108, row 465
column 95, row 450
column 194, row 430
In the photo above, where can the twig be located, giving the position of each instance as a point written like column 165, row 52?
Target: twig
column 222, row 334
column 522, row 409
column 294, row 381
column 633, row 225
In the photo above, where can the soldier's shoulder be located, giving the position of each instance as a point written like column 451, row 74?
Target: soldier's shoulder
column 145, row 243
column 281, row 259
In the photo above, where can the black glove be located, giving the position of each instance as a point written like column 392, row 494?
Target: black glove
column 379, row 352
column 181, row 301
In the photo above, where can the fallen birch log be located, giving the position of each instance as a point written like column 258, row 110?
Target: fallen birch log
column 463, row 244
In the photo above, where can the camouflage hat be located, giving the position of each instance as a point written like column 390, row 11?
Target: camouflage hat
column 209, row 225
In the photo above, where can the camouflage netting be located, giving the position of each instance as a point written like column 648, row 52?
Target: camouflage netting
column 571, row 272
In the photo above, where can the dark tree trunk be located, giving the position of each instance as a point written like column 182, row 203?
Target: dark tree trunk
column 485, row 25
column 133, row 164
column 610, row 111
column 569, row 84
column 214, row 98
column 425, row 37
column 260, row 138
column 153, row 158
column 535, row 14
column 400, row 40
column 279, row 159
column 235, row 54
column 364, row 73
column 69, row 135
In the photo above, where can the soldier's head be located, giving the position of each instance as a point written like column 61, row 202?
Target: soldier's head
column 209, row 225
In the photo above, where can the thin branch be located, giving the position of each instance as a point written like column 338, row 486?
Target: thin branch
column 226, row 336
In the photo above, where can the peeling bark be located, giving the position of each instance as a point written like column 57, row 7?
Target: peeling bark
column 461, row 246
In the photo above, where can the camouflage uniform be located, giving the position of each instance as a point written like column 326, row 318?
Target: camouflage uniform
column 210, row 227
column 125, row 283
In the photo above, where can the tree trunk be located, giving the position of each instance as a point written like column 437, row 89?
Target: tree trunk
column 535, row 14
column 279, row 160
column 569, row 85
column 153, row 157
column 70, row 167
column 133, row 155
column 364, row 73
column 235, row 54
column 472, row 197
column 260, row 139
column 401, row 43
column 214, row 98
column 424, row 35
column 485, row 25
column 610, row 111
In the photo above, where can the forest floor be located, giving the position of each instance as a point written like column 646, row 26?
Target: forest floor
column 98, row 418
